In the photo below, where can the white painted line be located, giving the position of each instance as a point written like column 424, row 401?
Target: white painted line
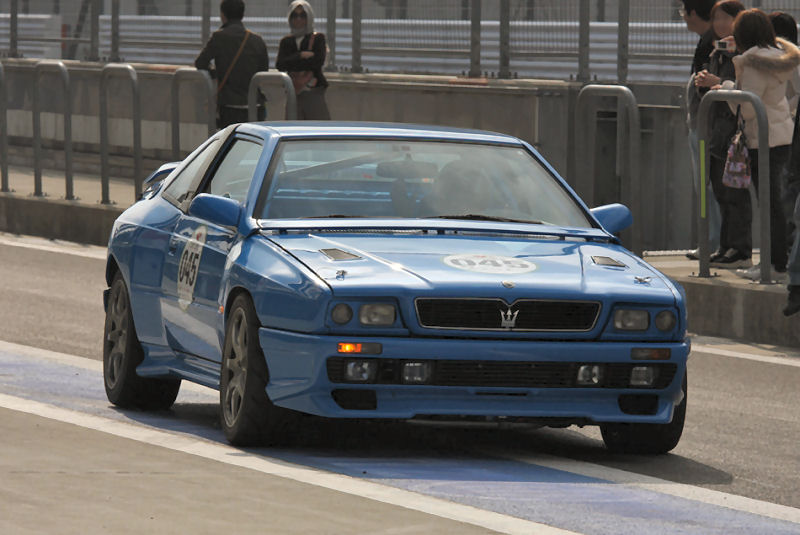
column 679, row 490
column 336, row 482
column 78, row 362
column 50, row 246
column 769, row 359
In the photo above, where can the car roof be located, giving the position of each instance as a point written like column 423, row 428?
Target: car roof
column 323, row 129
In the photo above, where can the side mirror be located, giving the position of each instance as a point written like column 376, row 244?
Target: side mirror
column 217, row 210
column 613, row 217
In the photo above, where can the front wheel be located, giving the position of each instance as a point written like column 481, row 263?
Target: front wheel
column 247, row 415
column 647, row 438
column 122, row 353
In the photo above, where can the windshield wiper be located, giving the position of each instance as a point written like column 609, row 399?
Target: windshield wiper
column 481, row 217
column 334, row 216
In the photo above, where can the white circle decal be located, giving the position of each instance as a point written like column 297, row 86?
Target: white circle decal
column 504, row 265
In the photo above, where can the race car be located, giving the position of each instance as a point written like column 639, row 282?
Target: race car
column 381, row 271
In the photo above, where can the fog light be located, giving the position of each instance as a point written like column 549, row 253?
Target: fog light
column 381, row 314
column 666, row 320
column 631, row 320
column 360, row 371
column 590, row 375
column 417, row 373
column 342, row 313
column 643, row 376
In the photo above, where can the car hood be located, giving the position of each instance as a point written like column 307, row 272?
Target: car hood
column 477, row 266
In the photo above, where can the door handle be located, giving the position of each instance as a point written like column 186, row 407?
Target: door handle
column 173, row 246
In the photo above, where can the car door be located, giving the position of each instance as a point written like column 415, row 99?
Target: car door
column 192, row 282
column 155, row 224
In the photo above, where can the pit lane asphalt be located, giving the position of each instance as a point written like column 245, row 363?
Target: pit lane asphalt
column 742, row 434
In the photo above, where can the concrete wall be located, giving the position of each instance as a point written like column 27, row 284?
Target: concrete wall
column 540, row 112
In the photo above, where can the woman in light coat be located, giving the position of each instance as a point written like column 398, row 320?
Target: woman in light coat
column 765, row 67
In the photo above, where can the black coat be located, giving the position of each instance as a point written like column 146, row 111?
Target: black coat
column 222, row 48
column 723, row 122
column 289, row 59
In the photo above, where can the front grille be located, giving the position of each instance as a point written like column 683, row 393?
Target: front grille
column 497, row 315
column 507, row 374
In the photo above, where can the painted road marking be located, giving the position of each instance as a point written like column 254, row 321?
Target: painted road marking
column 337, row 482
column 544, row 491
column 769, row 359
column 54, row 246
column 680, row 490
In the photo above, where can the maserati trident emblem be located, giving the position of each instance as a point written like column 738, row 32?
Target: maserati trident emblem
column 508, row 319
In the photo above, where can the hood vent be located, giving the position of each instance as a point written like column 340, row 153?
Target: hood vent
column 606, row 261
column 338, row 254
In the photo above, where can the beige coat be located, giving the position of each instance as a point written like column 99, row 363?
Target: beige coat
column 766, row 72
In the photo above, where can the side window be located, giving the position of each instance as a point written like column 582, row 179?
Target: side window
column 180, row 188
column 234, row 174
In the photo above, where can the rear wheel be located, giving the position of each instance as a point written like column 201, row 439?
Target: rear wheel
column 247, row 415
column 122, row 353
column 647, row 438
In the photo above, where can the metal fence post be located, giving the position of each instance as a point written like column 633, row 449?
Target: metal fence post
column 331, row 37
column 475, row 39
column 94, row 47
column 356, row 39
column 125, row 71
column 59, row 68
column 257, row 82
column 505, row 39
column 115, row 31
column 205, row 23
column 623, row 40
column 13, row 35
column 630, row 147
column 186, row 74
column 583, row 40
column 3, row 132
column 703, row 120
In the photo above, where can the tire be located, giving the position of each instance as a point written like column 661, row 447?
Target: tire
column 247, row 416
column 651, row 439
column 122, row 353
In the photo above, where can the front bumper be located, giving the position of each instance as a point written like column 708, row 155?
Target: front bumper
column 299, row 379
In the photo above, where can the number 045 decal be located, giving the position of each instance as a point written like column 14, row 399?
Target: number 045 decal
column 504, row 265
column 189, row 266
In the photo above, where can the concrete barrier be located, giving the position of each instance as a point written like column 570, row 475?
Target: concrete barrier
column 57, row 219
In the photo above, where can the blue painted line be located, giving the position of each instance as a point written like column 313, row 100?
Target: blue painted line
column 555, row 497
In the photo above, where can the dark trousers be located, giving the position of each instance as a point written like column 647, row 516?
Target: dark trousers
column 735, row 210
column 778, row 161
column 311, row 105
column 228, row 116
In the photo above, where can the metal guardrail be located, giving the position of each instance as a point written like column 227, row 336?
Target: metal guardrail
column 185, row 74
column 59, row 68
column 628, row 145
column 125, row 71
column 258, row 81
column 703, row 120
column 3, row 133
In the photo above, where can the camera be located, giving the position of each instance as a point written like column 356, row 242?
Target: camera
column 725, row 46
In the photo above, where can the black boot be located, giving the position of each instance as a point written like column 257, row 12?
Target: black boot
column 793, row 301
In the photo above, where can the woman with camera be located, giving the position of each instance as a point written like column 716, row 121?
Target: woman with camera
column 735, row 247
column 764, row 67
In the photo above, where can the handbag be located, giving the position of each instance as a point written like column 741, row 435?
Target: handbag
column 737, row 172
column 304, row 80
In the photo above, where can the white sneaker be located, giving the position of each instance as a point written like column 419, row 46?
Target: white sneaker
column 754, row 274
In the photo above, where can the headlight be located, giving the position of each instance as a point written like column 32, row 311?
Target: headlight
column 631, row 320
column 342, row 314
column 377, row 314
column 666, row 320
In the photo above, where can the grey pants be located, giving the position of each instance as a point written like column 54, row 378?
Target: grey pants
column 793, row 267
column 311, row 105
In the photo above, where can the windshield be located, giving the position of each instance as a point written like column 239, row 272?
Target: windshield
column 415, row 179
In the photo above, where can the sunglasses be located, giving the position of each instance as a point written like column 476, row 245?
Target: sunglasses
column 301, row 15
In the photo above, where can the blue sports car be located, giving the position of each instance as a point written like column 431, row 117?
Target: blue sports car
column 356, row 270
